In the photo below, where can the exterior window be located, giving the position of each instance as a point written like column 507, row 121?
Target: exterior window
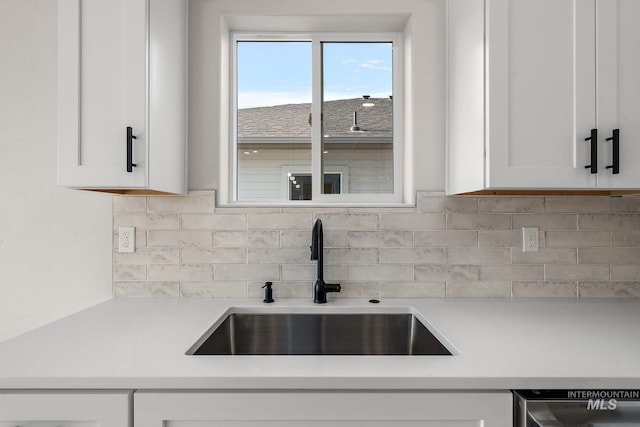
column 320, row 106
column 300, row 185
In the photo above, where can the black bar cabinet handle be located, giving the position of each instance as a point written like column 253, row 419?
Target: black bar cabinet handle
column 594, row 151
column 616, row 151
column 130, row 138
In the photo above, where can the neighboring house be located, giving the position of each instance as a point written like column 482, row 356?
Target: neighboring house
column 274, row 149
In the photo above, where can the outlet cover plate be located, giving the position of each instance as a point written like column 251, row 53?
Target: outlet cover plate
column 530, row 239
column 127, row 239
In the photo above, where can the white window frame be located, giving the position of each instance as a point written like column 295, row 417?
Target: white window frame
column 317, row 38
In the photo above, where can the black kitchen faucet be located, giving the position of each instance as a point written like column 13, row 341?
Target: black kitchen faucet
column 320, row 288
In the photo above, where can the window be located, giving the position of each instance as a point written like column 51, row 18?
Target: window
column 322, row 105
column 300, row 185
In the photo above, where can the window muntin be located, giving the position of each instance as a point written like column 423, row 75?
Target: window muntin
column 284, row 131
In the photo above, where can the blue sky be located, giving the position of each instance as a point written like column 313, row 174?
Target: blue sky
column 275, row 73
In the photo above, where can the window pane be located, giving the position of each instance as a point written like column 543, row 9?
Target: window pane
column 357, row 115
column 300, row 185
column 274, row 107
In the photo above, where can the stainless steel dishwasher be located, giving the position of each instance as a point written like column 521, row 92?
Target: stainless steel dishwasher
column 576, row 408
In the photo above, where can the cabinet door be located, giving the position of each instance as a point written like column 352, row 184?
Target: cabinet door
column 619, row 90
column 102, row 85
column 59, row 409
column 540, row 93
column 318, row 409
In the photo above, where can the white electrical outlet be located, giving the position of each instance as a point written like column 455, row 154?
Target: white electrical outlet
column 127, row 239
column 530, row 239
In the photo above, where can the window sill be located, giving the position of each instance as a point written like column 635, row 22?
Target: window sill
column 312, row 205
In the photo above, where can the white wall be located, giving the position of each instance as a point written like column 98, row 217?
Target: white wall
column 55, row 244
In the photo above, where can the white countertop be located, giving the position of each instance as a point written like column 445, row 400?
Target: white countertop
column 501, row 344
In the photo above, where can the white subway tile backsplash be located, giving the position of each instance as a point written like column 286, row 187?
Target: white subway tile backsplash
column 197, row 202
column 338, row 256
column 446, row 273
column 479, row 256
column 424, row 221
column 463, row 246
column 608, row 255
column 445, row 239
column 268, row 272
column 380, row 239
column 576, row 205
column 298, row 272
column 147, row 221
column 278, row 256
column 129, row 273
column 577, row 239
column 412, row 256
column 291, row 289
column 443, row 204
column 213, row 289
column 179, row 238
column 479, row 290
column 214, row 221
column 195, row 255
column 147, row 256
column 544, row 289
column 380, row 272
column 414, row 289
column 280, row 221
column 625, row 205
column 609, row 289
column 358, row 290
column 546, row 221
column 510, row 204
column 546, row 256
column 625, row 238
column 577, row 272
column 626, row 272
column 302, row 239
column 611, row 222
column 129, row 204
column 190, row 273
column 246, row 239
column 503, row 239
column 355, row 221
column 478, row 222
column 511, row 272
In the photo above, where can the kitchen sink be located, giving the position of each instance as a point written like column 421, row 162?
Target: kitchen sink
column 242, row 332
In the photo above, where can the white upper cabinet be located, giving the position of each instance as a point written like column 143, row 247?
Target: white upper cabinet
column 122, row 64
column 528, row 80
column 618, row 91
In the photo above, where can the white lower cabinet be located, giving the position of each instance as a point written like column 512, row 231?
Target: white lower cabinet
column 315, row 409
column 65, row 409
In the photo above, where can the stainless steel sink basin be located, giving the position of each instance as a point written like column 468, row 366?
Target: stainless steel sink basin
column 371, row 333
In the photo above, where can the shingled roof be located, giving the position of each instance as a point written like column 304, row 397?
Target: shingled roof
column 292, row 120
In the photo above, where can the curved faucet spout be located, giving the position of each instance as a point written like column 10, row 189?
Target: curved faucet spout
column 320, row 288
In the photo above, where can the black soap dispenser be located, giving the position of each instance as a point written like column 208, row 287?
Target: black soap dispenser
column 268, row 292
